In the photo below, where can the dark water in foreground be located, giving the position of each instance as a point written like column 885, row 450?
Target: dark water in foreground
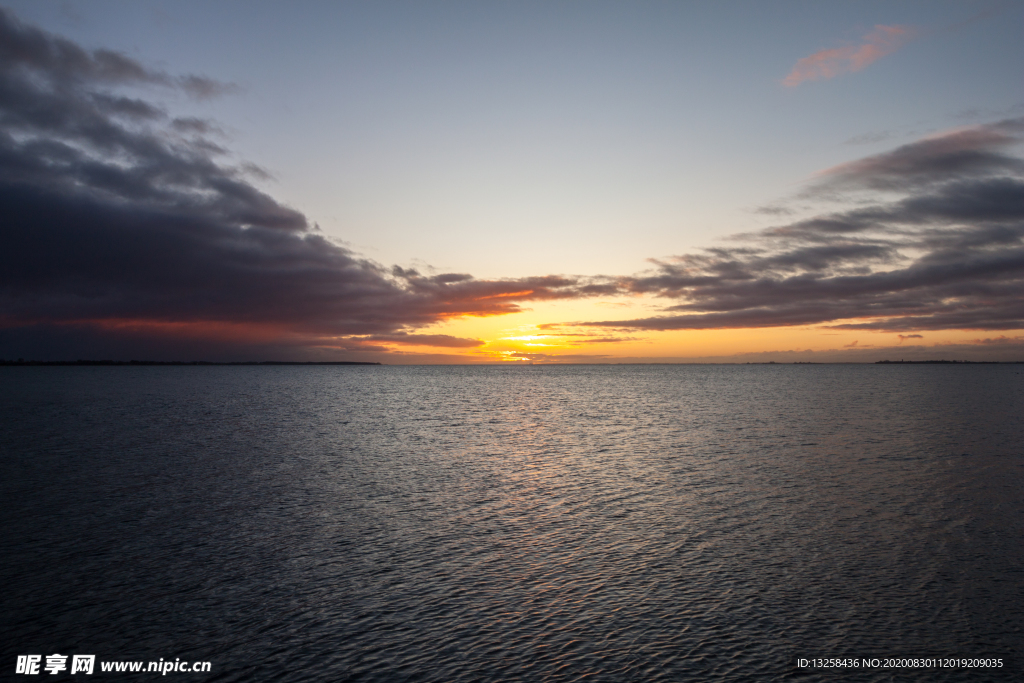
column 707, row 523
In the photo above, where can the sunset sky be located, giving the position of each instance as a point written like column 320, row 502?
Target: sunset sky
column 439, row 182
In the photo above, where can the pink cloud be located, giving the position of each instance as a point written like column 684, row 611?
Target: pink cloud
column 882, row 41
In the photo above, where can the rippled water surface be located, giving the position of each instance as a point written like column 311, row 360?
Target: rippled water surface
column 544, row 523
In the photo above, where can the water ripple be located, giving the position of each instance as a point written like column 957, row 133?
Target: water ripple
column 529, row 523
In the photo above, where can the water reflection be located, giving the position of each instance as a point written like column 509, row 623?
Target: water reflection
column 534, row 523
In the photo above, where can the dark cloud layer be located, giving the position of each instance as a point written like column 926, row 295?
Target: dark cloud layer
column 939, row 245
column 124, row 231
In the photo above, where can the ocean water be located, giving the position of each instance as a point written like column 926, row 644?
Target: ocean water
column 533, row 523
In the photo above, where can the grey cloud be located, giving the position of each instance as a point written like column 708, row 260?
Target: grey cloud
column 968, row 153
column 946, row 254
column 121, row 234
column 201, row 88
column 128, row 107
column 67, row 64
column 191, row 124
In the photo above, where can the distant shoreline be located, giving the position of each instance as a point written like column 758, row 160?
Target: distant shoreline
column 176, row 362
column 948, row 362
column 133, row 363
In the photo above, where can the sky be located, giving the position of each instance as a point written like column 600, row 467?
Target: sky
column 483, row 182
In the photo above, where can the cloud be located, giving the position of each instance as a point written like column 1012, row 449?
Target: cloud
column 1001, row 340
column 123, row 235
column 65, row 64
column 202, row 88
column 942, row 249
column 608, row 340
column 958, row 154
column 825, row 64
column 904, row 337
column 434, row 340
column 190, row 124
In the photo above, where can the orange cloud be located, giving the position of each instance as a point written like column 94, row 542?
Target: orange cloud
column 435, row 340
column 882, row 41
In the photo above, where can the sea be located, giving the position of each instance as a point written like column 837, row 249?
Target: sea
column 513, row 523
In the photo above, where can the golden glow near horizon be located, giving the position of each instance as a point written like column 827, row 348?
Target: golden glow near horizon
column 545, row 333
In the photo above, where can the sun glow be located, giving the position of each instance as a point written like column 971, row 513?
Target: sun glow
column 528, row 337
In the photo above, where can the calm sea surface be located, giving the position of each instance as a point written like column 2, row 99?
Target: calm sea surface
column 540, row 523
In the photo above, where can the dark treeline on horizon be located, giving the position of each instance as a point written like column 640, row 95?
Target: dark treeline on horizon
column 22, row 361
column 119, row 363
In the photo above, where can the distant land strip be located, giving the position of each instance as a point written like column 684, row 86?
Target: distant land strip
column 958, row 362
column 82, row 362
column 177, row 362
